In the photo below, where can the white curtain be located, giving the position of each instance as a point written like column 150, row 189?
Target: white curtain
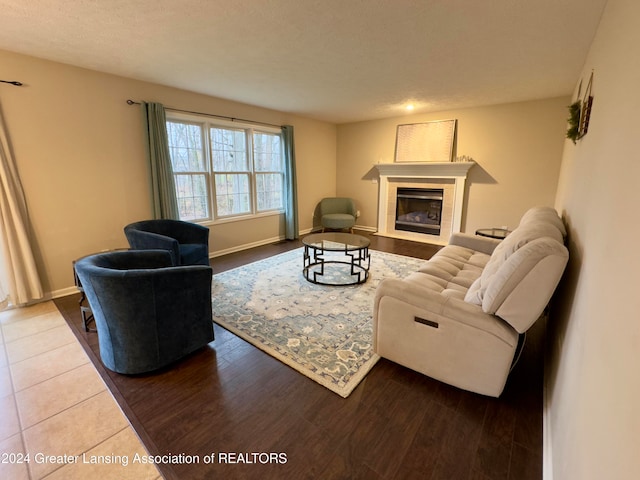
column 19, row 280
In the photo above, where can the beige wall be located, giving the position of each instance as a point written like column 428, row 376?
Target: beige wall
column 517, row 146
column 593, row 382
column 81, row 158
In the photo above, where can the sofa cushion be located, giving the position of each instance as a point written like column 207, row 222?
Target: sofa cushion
column 521, row 286
column 451, row 271
column 437, row 285
column 516, row 240
column 521, row 236
column 461, row 256
column 520, row 290
column 543, row 215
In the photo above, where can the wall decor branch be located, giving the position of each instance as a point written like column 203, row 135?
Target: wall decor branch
column 580, row 113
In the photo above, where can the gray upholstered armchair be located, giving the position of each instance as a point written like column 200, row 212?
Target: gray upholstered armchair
column 148, row 313
column 188, row 242
column 337, row 213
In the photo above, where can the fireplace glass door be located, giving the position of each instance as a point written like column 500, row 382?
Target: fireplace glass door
column 419, row 210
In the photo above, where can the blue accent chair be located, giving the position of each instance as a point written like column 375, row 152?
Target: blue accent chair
column 337, row 213
column 148, row 313
column 188, row 242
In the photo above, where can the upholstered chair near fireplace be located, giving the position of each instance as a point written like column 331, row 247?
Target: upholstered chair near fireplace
column 338, row 213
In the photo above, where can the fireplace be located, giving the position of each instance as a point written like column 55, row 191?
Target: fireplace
column 448, row 177
column 419, row 210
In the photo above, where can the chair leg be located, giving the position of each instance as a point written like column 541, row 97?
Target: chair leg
column 87, row 318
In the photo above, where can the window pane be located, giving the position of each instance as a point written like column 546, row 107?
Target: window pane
column 191, row 193
column 229, row 150
column 232, row 194
column 185, row 147
column 269, row 191
column 267, row 152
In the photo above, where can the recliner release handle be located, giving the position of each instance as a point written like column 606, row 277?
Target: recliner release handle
column 428, row 323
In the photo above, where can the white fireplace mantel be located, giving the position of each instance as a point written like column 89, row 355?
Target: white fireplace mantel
column 425, row 170
column 399, row 172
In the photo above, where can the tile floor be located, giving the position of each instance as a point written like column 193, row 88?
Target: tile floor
column 55, row 407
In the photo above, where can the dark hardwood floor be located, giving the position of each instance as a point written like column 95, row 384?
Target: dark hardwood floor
column 397, row 424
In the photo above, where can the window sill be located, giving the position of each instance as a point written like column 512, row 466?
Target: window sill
column 243, row 218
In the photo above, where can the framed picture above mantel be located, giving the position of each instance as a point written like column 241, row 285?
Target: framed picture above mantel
column 426, row 142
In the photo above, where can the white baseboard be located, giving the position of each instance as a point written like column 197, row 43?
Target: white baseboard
column 61, row 293
column 246, row 246
column 366, row 228
column 71, row 290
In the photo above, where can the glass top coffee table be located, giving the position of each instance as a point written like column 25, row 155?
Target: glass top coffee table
column 336, row 258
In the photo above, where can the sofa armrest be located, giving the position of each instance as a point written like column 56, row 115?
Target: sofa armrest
column 442, row 337
column 410, row 293
column 474, row 242
column 437, row 307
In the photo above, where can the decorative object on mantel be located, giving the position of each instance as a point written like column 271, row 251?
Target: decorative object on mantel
column 426, row 142
column 464, row 158
column 580, row 113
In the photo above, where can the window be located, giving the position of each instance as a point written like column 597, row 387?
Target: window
column 190, row 172
column 267, row 154
column 225, row 171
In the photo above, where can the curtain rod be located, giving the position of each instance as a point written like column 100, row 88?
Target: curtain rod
column 17, row 84
column 233, row 119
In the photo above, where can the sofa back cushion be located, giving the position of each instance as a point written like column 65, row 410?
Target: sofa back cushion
column 543, row 215
column 523, row 271
column 516, row 240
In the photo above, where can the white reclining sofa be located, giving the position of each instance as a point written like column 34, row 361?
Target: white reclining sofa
column 462, row 316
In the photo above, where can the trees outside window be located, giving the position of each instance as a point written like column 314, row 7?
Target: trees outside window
column 224, row 171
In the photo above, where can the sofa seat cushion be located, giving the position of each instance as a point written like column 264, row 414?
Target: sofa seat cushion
column 462, row 256
column 457, row 265
column 436, row 285
column 451, row 271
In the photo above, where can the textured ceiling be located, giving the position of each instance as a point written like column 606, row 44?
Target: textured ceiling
column 334, row 60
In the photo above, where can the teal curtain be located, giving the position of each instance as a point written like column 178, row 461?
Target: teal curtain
column 163, row 188
column 291, row 191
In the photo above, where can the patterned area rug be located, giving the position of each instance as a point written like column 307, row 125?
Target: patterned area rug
column 323, row 332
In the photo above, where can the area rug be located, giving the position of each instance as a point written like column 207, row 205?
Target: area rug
column 323, row 332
